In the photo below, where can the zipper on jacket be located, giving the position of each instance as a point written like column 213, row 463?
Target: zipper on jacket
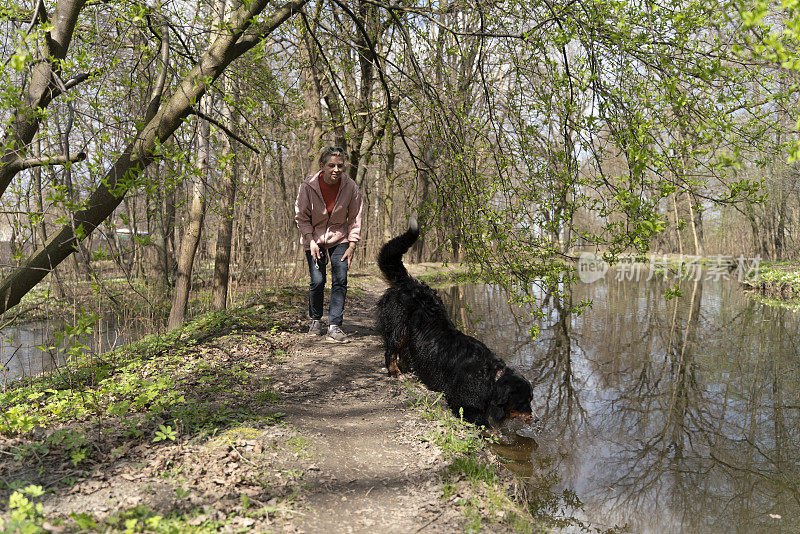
column 338, row 193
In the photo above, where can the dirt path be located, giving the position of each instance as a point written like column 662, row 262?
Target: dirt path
column 370, row 471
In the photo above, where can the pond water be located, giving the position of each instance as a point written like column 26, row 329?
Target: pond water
column 31, row 349
column 659, row 415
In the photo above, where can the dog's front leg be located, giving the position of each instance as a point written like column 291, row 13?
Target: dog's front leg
column 391, row 363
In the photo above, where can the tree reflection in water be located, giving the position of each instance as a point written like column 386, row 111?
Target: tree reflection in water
column 666, row 415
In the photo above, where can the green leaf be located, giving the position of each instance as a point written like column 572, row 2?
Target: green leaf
column 20, row 60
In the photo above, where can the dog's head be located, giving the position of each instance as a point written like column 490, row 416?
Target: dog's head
column 511, row 397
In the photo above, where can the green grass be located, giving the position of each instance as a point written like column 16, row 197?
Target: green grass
column 779, row 283
column 167, row 387
column 447, row 278
column 486, row 501
column 300, row 446
column 185, row 386
column 25, row 516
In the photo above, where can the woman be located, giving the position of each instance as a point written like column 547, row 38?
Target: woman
column 328, row 214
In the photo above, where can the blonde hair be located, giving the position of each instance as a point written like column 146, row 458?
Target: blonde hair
column 331, row 151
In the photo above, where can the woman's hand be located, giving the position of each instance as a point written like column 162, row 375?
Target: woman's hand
column 348, row 254
column 314, row 249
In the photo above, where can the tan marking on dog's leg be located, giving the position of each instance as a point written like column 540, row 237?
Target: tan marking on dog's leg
column 394, row 369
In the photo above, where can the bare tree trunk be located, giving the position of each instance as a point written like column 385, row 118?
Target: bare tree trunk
column 164, row 235
column 56, row 286
column 314, row 112
column 695, row 217
column 367, row 15
column 779, row 237
column 222, row 259
column 191, row 238
column 751, row 218
column 288, row 211
column 40, row 230
column 170, row 247
column 160, row 228
column 427, row 148
column 163, row 208
column 63, row 139
column 428, row 162
column 133, row 232
column 677, row 219
column 311, row 93
column 322, row 88
column 388, row 196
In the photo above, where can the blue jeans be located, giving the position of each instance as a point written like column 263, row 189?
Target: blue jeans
column 316, row 289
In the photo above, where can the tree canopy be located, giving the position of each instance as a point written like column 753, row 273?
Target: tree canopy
column 518, row 130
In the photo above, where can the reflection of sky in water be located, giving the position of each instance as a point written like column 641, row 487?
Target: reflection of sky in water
column 31, row 349
column 21, row 352
column 671, row 416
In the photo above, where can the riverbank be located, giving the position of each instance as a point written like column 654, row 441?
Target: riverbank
column 240, row 422
column 776, row 281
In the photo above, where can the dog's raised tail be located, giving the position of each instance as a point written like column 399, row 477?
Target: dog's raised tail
column 390, row 258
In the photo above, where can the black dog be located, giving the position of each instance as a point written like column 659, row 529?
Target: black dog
column 418, row 334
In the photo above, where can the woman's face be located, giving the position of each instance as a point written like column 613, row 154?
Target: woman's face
column 332, row 169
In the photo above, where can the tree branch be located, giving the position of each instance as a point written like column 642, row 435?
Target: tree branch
column 46, row 161
column 75, row 80
column 215, row 122
column 39, row 14
column 38, row 94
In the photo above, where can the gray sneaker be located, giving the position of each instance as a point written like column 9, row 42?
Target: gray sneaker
column 315, row 329
column 335, row 334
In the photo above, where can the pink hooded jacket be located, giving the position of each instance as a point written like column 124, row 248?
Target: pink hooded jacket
column 328, row 229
